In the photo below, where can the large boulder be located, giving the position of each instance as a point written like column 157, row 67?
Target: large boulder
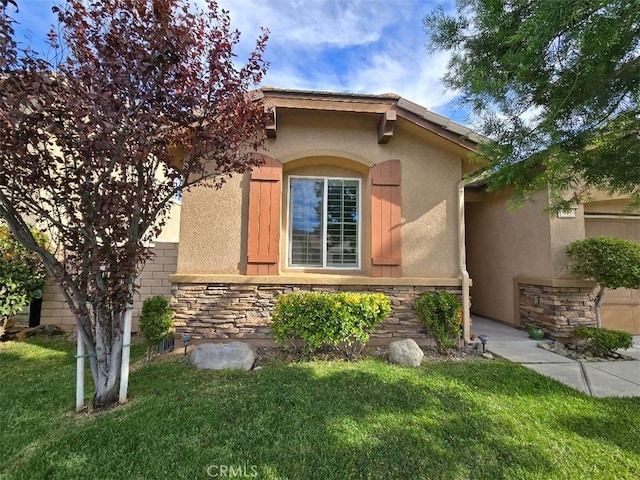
column 405, row 352
column 220, row 356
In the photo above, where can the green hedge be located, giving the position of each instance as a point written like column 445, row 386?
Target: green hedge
column 604, row 340
column 440, row 313
column 340, row 320
column 156, row 321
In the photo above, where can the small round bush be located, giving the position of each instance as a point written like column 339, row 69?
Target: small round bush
column 604, row 341
column 156, row 321
column 343, row 321
column 441, row 314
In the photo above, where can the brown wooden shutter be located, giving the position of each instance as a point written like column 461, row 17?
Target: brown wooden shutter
column 386, row 219
column 263, row 233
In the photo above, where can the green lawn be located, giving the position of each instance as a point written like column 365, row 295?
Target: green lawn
column 322, row 420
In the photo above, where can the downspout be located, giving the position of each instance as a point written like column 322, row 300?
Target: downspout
column 464, row 274
column 462, row 256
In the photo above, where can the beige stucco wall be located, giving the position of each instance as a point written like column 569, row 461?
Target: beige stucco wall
column 212, row 231
column 563, row 232
column 213, row 223
column 171, row 230
column 504, row 244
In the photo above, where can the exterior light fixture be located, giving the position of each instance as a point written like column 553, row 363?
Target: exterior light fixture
column 484, row 339
column 186, row 339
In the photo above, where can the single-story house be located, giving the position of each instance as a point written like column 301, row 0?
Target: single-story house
column 369, row 193
column 357, row 193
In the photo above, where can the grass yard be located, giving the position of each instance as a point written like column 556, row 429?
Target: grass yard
column 321, row 420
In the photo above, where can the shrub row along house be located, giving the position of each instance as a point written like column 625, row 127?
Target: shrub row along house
column 366, row 193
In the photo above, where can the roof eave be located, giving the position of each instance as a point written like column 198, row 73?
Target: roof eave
column 377, row 104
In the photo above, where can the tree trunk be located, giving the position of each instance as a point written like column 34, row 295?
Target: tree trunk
column 106, row 394
column 599, row 296
column 106, row 366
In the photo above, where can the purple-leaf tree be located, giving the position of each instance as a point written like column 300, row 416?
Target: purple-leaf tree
column 141, row 98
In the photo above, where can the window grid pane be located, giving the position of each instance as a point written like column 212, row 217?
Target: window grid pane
column 306, row 222
column 314, row 231
column 342, row 232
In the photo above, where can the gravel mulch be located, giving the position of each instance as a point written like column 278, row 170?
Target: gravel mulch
column 265, row 355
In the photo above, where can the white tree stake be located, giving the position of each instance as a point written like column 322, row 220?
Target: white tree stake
column 80, row 374
column 126, row 353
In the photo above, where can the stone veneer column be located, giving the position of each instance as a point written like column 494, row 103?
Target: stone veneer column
column 227, row 310
column 556, row 306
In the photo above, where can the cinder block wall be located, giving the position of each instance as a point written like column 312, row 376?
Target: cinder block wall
column 154, row 280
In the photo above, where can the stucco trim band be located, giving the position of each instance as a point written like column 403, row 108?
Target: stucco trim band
column 556, row 282
column 308, row 279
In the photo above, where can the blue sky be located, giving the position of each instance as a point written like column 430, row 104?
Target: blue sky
column 357, row 46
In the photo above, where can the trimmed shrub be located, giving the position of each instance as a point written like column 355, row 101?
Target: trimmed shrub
column 441, row 314
column 604, row 341
column 22, row 273
column 343, row 321
column 612, row 262
column 156, row 321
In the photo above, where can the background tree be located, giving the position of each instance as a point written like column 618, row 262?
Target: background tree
column 611, row 262
column 22, row 273
column 554, row 85
column 141, row 97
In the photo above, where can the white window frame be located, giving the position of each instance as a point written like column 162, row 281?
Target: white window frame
column 324, row 220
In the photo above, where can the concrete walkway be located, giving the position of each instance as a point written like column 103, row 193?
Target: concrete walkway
column 598, row 379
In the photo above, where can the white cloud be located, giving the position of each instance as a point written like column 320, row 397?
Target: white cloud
column 360, row 46
column 315, row 23
column 413, row 75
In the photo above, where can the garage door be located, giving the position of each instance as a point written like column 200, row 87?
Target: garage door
column 621, row 307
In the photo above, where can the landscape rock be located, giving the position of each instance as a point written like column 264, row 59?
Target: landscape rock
column 221, row 356
column 487, row 355
column 405, row 352
column 50, row 330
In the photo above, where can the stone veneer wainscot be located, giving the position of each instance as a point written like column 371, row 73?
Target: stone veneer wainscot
column 242, row 308
column 556, row 306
